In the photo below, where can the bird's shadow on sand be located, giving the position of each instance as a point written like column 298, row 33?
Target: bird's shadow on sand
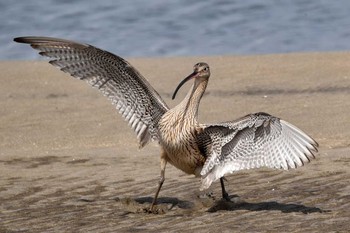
column 224, row 205
column 264, row 206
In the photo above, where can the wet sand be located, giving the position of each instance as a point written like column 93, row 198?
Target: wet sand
column 69, row 162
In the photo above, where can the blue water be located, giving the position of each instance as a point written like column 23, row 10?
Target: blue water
column 140, row 28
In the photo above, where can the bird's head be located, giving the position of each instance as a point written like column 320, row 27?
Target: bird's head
column 200, row 72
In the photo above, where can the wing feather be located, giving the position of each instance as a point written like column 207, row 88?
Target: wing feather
column 128, row 90
column 256, row 140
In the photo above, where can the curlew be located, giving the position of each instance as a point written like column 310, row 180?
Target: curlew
column 209, row 151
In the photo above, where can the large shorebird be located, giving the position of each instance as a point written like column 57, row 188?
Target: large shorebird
column 208, row 151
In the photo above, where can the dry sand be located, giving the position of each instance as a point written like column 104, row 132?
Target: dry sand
column 69, row 163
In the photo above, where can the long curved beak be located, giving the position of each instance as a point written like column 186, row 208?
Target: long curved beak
column 194, row 74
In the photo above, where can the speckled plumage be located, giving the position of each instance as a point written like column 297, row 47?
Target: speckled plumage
column 129, row 91
column 206, row 150
column 256, row 140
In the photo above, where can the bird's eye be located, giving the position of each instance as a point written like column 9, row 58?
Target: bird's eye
column 205, row 69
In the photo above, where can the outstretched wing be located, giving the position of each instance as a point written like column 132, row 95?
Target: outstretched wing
column 256, row 140
column 128, row 90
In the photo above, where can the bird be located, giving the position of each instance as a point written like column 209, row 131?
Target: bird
column 208, row 151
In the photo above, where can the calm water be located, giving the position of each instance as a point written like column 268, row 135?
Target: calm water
column 142, row 28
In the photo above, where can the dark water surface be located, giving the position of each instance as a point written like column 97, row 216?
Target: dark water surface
column 179, row 28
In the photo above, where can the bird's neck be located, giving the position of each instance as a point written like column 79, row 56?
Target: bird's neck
column 190, row 104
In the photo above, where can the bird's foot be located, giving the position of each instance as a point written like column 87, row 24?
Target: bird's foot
column 225, row 196
column 152, row 210
column 234, row 198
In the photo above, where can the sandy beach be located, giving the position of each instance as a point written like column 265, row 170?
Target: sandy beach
column 69, row 162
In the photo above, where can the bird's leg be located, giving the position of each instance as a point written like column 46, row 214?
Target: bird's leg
column 163, row 163
column 224, row 193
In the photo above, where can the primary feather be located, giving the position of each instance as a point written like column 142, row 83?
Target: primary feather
column 128, row 90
